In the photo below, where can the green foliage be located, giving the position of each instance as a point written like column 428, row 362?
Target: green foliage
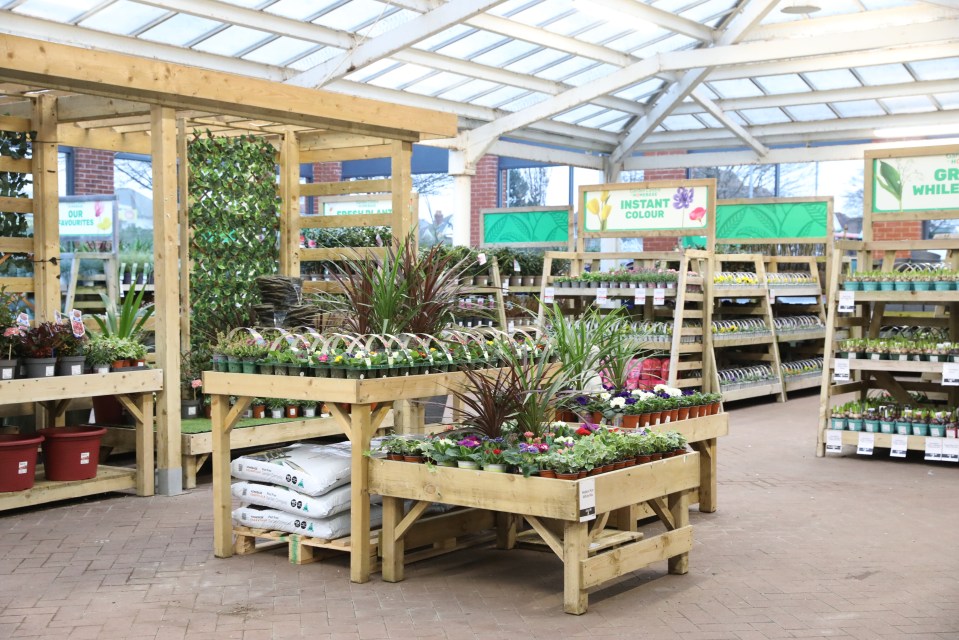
column 129, row 319
column 233, row 216
column 15, row 145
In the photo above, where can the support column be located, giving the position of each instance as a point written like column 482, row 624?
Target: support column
column 167, row 298
column 402, row 188
column 183, row 191
column 463, row 189
column 46, row 209
column 290, row 207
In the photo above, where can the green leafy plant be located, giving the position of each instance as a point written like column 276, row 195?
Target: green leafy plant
column 127, row 321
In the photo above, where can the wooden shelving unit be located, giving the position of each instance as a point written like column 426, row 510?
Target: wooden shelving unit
column 134, row 389
column 684, row 304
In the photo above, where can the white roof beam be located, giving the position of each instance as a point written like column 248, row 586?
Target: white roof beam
column 844, row 23
column 545, row 154
column 733, row 126
column 951, row 4
column 382, row 46
column 749, row 15
column 665, row 19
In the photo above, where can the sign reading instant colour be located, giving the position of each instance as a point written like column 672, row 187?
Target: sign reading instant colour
column 652, row 209
column 916, row 183
column 87, row 217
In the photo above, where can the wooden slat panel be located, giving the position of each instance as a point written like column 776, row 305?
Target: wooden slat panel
column 16, row 205
column 351, row 153
column 17, row 285
column 346, row 253
column 16, row 245
column 10, row 123
column 342, row 188
column 358, row 220
column 17, row 166
column 628, row 558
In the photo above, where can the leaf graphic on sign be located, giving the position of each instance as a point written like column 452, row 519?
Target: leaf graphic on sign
column 890, row 180
column 727, row 225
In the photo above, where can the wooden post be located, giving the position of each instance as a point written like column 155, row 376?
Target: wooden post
column 222, row 518
column 708, row 487
column 575, row 551
column 402, row 187
column 679, row 508
column 290, row 204
column 361, row 432
column 183, row 192
column 392, row 548
column 46, row 211
column 167, row 297
column 145, row 464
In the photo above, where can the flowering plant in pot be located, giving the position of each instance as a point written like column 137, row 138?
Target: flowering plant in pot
column 69, row 350
column 38, row 347
column 100, row 351
column 10, row 334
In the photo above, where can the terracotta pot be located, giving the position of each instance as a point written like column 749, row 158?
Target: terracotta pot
column 630, row 422
column 119, row 364
column 644, row 420
column 654, row 419
column 208, row 411
column 259, row 411
column 694, row 411
column 643, row 459
column 580, row 475
column 607, row 468
column 398, row 457
column 595, row 471
column 656, row 456
column 415, row 459
column 619, row 465
column 548, row 473
column 683, row 413
column 567, row 476
column 597, row 417
column 673, row 415
column 630, row 463
column 292, row 411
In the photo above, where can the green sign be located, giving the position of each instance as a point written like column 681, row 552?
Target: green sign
column 540, row 226
column 760, row 221
column 918, row 183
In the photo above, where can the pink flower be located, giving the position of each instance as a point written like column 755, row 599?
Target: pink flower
column 528, row 434
column 697, row 214
column 544, row 447
column 11, row 331
column 196, row 384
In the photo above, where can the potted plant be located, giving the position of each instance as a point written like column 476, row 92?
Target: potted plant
column 100, row 353
column 276, row 406
column 10, row 335
column 38, row 348
column 308, row 408
column 258, row 406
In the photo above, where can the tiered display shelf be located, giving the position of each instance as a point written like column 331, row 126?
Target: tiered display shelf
column 797, row 344
column 873, row 311
column 134, row 389
column 683, row 304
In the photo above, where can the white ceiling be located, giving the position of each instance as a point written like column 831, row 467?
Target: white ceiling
column 606, row 78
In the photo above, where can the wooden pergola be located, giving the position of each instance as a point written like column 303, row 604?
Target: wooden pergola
column 101, row 100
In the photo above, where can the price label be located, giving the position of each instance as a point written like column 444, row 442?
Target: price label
column 23, row 319
column 772, row 297
column 834, row 442
column 659, row 297
column 866, row 443
column 950, row 374
column 840, row 371
column 639, row 295
column 549, row 295
column 505, row 288
column 602, row 294
column 516, row 266
column 481, row 258
column 900, row 444
column 950, row 450
column 847, row 301
column 587, row 499
column 934, row 448
column 511, row 327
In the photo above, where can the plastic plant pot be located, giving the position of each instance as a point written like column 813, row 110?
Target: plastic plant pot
column 887, row 427
column 871, row 426
column 837, row 424
column 852, row 285
column 18, row 461
column 71, row 453
column 854, row 424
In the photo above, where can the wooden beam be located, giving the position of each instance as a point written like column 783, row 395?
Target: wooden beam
column 46, row 203
column 167, row 298
column 342, row 188
column 13, row 123
column 15, row 245
column 183, row 217
column 23, row 165
column 335, row 222
column 104, row 139
column 349, row 153
column 126, row 77
column 290, row 204
column 404, row 218
column 16, row 205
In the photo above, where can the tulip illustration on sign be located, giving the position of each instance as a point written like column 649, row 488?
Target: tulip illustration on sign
column 600, row 209
column 697, row 214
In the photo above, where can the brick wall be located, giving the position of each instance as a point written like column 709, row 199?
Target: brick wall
column 907, row 230
column 482, row 193
column 325, row 172
column 652, row 175
column 92, row 172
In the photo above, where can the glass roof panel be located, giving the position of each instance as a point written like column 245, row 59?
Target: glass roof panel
column 537, row 61
column 540, row 13
column 280, row 51
column 908, row 104
column 499, row 96
column 616, row 126
column 371, row 70
column 506, row 53
column 603, row 32
column 942, row 69
column 707, row 10
column 180, row 30
column 710, row 121
column 948, row 100
column 245, row 3
column 56, row 10
column 317, row 57
column 641, row 90
column 452, row 33
column 526, row 101
column 232, row 40
column 436, row 83
column 671, row 43
column 788, row 83
column 401, row 75
column 573, row 23
column 580, row 113
column 603, row 118
column 885, row 4
column 642, row 33
column 464, row 92
column 857, row 108
column 393, row 20
column 682, row 122
column 353, row 14
column 884, row 74
column 299, row 9
column 471, row 45
column 811, row 112
column 741, row 88
column 764, row 116
column 566, row 68
column 587, row 75
column 508, row 7
column 123, row 17
column 832, row 79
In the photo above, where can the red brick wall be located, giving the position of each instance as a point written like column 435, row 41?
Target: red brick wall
column 651, row 175
column 92, row 172
column 326, row 172
column 482, row 193
column 907, row 230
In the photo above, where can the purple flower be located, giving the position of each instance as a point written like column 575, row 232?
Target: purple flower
column 543, row 447
column 582, row 401
column 630, row 400
column 683, row 198
column 529, row 448
column 469, row 442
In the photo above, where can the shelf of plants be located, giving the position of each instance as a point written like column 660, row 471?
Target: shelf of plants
column 893, row 348
column 659, row 292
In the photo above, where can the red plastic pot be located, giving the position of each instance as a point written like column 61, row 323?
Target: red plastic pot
column 71, row 453
column 18, row 461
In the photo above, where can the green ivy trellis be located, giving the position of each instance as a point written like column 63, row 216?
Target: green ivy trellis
column 15, row 145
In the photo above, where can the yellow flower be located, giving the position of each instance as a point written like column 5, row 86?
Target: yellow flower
column 593, row 206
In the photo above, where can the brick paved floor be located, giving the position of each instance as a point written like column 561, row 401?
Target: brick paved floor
column 801, row 547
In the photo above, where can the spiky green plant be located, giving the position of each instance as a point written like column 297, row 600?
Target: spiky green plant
column 127, row 321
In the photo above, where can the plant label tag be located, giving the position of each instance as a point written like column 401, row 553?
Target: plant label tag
column 84, row 457
column 191, row 411
column 511, row 327
column 950, row 450
column 7, row 374
column 58, row 317
column 840, row 371
column 899, row 446
column 481, row 258
column 866, row 443
column 516, row 266
column 49, row 372
column 659, row 297
column 23, row 466
column 772, row 297
column 602, row 295
column 587, row 499
column 76, row 369
column 23, row 319
column 847, row 301
column 639, row 295
column 257, row 338
column 950, row 374
column 549, row 295
column 934, row 448
column 834, row 442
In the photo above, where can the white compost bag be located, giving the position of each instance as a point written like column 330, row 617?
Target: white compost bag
column 336, row 526
column 306, row 468
column 267, row 495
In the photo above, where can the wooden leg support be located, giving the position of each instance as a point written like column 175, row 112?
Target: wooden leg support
column 707, row 474
column 507, row 526
column 361, row 433
column 575, row 552
column 391, row 547
column 679, row 509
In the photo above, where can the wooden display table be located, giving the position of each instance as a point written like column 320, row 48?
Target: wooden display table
column 134, row 389
column 591, row 554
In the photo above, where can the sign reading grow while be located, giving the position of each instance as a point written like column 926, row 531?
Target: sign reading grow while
column 915, row 183
column 646, row 209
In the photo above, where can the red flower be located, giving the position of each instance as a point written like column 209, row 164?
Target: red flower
column 697, row 214
column 496, row 452
column 583, row 431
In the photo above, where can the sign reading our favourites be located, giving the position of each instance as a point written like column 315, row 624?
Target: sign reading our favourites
column 655, row 209
column 919, row 183
column 86, row 218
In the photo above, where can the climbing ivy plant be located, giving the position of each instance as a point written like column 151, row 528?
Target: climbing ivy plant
column 15, row 145
column 233, row 218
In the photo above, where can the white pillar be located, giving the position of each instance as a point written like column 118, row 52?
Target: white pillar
column 462, row 173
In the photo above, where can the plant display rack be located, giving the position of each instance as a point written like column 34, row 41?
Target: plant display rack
column 591, row 553
column 134, row 389
column 685, row 306
column 874, row 310
column 359, row 408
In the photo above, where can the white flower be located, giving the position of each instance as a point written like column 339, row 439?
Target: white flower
column 604, row 396
column 617, row 403
column 674, row 393
column 637, row 393
column 660, row 387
